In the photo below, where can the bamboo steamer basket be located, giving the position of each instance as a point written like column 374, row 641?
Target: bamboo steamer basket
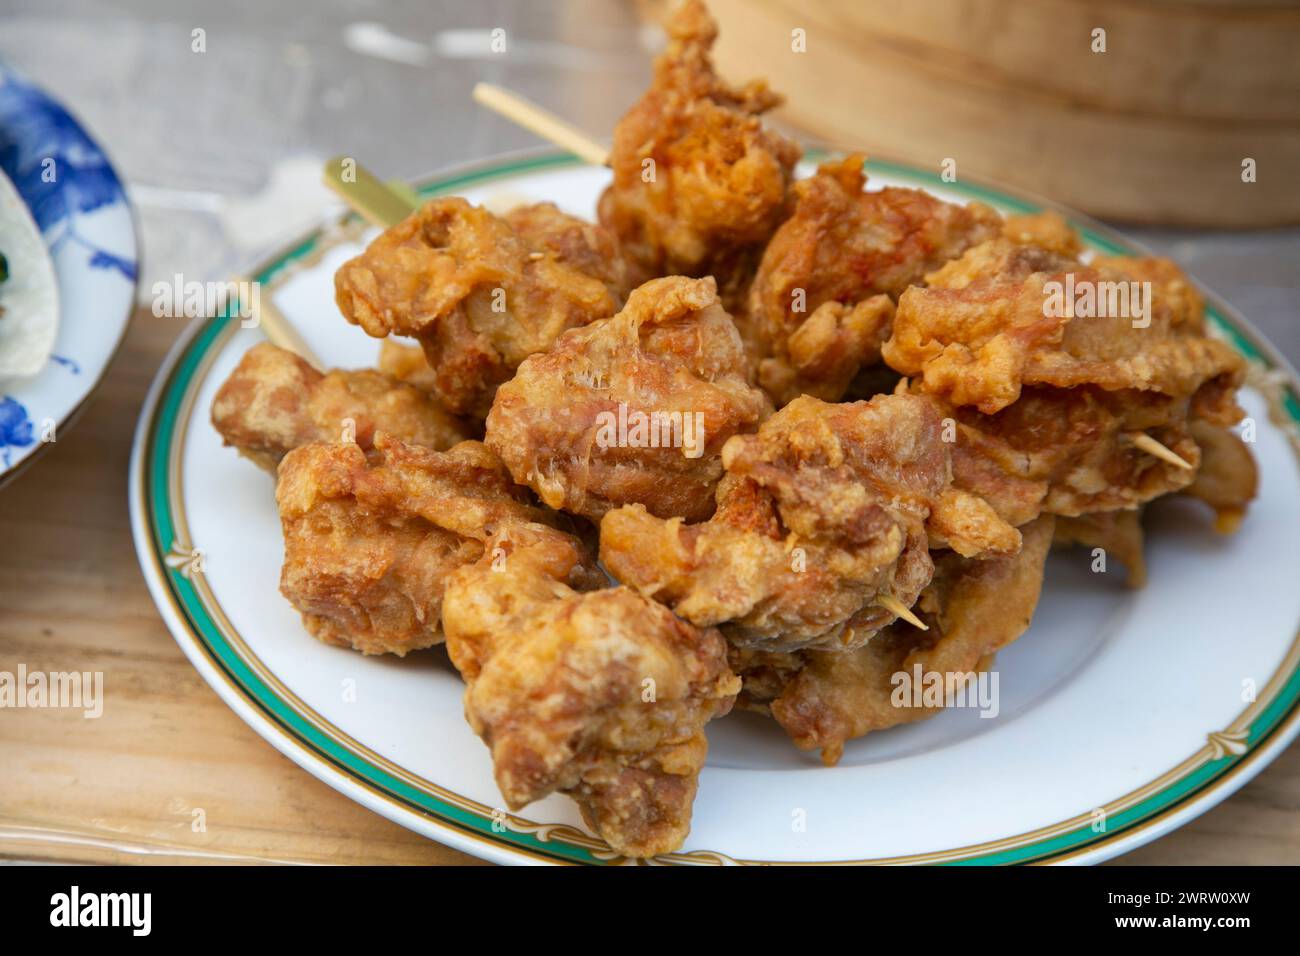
column 1154, row 130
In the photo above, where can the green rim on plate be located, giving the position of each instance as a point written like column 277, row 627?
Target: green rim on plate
column 1276, row 708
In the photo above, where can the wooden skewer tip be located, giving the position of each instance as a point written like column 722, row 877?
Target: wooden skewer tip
column 542, row 122
column 1146, row 443
column 277, row 328
column 900, row 610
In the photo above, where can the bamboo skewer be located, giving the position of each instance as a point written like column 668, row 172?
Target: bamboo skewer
column 278, row 329
column 379, row 203
column 900, row 610
column 405, row 193
column 1146, row 443
column 376, row 202
column 542, row 122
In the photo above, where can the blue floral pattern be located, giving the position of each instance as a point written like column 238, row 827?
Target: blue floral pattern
column 77, row 200
column 15, row 427
column 56, row 168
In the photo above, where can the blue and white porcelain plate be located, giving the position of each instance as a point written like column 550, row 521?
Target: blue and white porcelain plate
column 80, row 206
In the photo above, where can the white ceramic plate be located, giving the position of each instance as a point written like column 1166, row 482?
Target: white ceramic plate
column 1122, row 714
column 78, row 203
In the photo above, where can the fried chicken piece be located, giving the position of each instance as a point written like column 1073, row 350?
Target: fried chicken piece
column 1070, row 452
column 826, row 353
column 1050, row 399
column 822, row 302
column 1227, row 479
column 1118, row 533
column 599, row 694
column 1047, row 230
column 588, row 247
column 765, row 673
column 405, row 362
column 635, row 408
column 371, row 537
column 478, row 296
column 274, row 402
column 699, row 184
column 974, row 607
column 824, row 511
column 1002, row 317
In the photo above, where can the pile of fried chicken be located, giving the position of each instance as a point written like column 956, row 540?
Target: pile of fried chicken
column 892, row 432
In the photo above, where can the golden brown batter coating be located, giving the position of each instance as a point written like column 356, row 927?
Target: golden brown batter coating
column 853, row 253
column 823, row 356
column 1228, row 478
column 1049, row 391
column 478, row 296
column 1070, row 451
column 370, row 538
column 699, row 184
column 987, row 324
column 599, row 694
column 404, row 360
column 973, row 608
column 822, row 512
column 274, row 402
column 588, row 247
column 635, row 408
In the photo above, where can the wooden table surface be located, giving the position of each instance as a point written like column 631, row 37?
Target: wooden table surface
column 124, row 787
